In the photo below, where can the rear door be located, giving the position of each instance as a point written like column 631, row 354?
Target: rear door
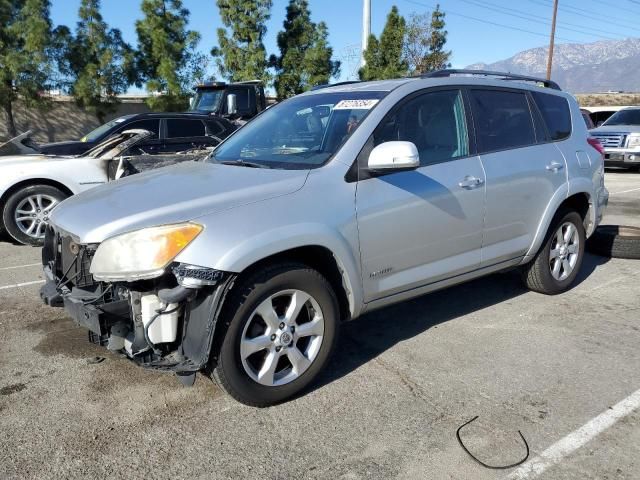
column 184, row 134
column 523, row 169
column 421, row 226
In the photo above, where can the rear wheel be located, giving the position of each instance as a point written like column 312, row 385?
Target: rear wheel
column 26, row 212
column 282, row 329
column 558, row 262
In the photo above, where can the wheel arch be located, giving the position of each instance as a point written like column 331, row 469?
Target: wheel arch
column 31, row 182
column 319, row 258
column 579, row 200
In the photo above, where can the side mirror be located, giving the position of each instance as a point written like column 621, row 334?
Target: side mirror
column 232, row 106
column 391, row 156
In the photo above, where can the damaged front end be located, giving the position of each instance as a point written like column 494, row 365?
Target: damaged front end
column 167, row 322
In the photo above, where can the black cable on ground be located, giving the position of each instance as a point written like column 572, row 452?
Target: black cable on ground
column 484, row 464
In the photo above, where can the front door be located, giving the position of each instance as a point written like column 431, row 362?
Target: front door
column 424, row 225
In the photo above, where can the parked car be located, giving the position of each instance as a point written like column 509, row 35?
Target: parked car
column 620, row 137
column 586, row 116
column 172, row 132
column 328, row 205
column 31, row 185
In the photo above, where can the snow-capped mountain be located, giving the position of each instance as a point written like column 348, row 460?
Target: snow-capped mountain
column 581, row 68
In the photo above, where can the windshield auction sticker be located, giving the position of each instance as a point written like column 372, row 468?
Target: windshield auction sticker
column 356, row 104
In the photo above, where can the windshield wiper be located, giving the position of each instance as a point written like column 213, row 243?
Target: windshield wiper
column 242, row 163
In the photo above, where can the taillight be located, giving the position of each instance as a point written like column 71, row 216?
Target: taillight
column 595, row 143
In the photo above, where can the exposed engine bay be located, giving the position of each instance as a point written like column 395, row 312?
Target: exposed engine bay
column 166, row 323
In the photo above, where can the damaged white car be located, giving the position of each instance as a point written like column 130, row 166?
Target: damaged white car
column 32, row 184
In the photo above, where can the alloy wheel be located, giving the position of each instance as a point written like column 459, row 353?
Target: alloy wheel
column 32, row 214
column 565, row 250
column 282, row 338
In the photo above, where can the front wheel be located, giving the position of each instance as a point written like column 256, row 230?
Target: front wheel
column 26, row 212
column 283, row 325
column 558, row 262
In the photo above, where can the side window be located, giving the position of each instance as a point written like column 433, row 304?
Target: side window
column 502, row 119
column 435, row 122
column 242, row 99
column 150, row 125
column 556, row 114
column 178, row 128
column 215, row 128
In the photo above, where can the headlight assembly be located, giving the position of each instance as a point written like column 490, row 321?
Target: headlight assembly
column 633, row 140
column 141, row 254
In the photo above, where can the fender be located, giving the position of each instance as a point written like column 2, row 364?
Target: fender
column 289, row 237
column 576, row 185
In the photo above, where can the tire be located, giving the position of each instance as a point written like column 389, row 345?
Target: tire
column 544, row 274
column 617, row 241
column 271, row 290
column 32, row 200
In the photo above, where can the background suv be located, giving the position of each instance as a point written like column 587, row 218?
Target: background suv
column 324, row 207
column 620, row 137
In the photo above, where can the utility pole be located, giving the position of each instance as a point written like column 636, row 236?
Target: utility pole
column 552, row 39
column 366, row 28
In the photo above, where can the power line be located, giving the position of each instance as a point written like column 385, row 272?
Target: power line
column 591, row 29
column 488, row 22
column 531, row 18
column 585, row 13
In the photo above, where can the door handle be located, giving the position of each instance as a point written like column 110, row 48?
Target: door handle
column 554, row 167
column 471, row 182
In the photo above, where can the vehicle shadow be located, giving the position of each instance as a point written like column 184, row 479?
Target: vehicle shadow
column 369, row 336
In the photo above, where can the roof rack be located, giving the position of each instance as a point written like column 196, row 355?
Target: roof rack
column 327, row 85
column 488, row 73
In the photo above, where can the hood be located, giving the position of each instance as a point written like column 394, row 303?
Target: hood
column 174, row 194
column 616, row 129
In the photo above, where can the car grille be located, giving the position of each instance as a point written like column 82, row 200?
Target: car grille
column 611, row 140
column 68, row 260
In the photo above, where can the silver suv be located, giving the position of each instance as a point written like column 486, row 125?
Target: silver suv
column 326, row 206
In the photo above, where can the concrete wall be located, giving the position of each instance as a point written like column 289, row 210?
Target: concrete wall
column 64, row 121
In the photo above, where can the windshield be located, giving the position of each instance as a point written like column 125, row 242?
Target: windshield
column 95, row 135
column 303, row 132
column 207, row 100
column 624, row 117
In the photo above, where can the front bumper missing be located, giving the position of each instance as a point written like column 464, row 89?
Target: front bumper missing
column 197, row 324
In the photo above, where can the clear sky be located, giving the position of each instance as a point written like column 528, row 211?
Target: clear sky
column 479, row 30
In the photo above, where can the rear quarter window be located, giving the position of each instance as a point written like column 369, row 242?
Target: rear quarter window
column 502, row 119
column 556, row 114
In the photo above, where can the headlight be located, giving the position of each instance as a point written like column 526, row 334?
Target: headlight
column 633, row 140
column 141, row 254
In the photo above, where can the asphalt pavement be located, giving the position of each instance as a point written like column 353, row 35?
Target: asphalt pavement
column 562, row 370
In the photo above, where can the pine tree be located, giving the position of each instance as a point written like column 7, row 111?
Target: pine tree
column 387, row 54
column 167, row 58
column 438, row 58
column 25, row 55
column 241, row 54
column 98, row 63
column 305, row 55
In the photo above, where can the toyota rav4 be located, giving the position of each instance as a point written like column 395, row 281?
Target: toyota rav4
column 331, row 204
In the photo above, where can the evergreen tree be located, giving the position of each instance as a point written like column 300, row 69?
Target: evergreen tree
column 241, row 54
column 98, row 63
column 25, row 55
column 438, row 58
column 305, row 54
column 167, row 58
column 388, row 52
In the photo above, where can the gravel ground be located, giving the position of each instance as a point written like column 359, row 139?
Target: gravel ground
column 402, row 381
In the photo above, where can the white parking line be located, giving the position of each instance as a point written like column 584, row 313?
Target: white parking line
column 576, row 439
column 624, row 191
column 18, row 285
column 21, row 266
